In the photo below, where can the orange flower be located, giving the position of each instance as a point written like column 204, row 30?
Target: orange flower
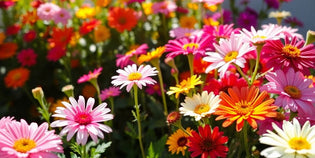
column 101, row 33
column 60, row 37
column 30, row 17
column 16, row 77
column 156, row 54
column 7, row 50
column 122, row 19
column 103, row 3
column 245, row 103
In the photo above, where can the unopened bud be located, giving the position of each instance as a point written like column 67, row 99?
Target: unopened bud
column 38, row 93
column 310, row 37
column 68, row 90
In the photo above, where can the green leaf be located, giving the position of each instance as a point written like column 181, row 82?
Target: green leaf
column 73, row 155
column 157, row 148
column 131, row 131
column 151, row 153
column 100, row 149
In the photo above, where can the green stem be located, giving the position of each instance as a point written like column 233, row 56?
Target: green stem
column 95, row 84
column 258, row 48
column 246, row 147
column 221, row 13
column 135, row 90
column 83, row 152
column 111, row 101
column 241, row 73
column 190, row 57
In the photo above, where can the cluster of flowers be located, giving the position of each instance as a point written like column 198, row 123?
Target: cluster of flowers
column 258, row 80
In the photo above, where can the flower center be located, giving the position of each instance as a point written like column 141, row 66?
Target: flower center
column 134, row 76
column 299, row 143
column 122, row 20
column 291, row 51
column 24, row 145
column 259, row 37
column 202, row 108
column 230, row 56
column 244, row 107
column 191, row 46
column 206, row 144
column 293, row 91
column 182, row 141
column 83, row 118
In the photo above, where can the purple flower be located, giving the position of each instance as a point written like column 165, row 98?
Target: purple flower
column 273, row 4
column 247, row 19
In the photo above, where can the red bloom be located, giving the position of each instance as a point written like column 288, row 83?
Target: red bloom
column 207, row 143
column 27, row 57
column 56, row 53
column 122, row 19
column 29, row 36
column 60, row 37
column 13, row 30
column 89, row 26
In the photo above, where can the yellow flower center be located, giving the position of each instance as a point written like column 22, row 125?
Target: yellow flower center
column 24, row 145
column 191, row 46
column 299, row 143
column 202, row 108
column 259, row 37
column 244, row 107
column 134, row 76
column 293, row 91
column 291, row 51
column 230, row 56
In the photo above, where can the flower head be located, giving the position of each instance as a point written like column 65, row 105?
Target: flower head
column 164, row 7
column 80, row 117
column 178, row 141
column 85, row 12
column 7, row 50
column 29, row 36
column 89, row 26
column 262, row 36
column 200, row 105
column 155, row 54
column 55, row 53
column 47, row 11
column 109, row 92
column 290, row 141
column 90, row 75
column 185, row 86
column 207, row 143
column 124, row 60
column 245, row 103
column 180, row 32
column 18, row 139
column 131, row 75
column 17, row 77
column 101, row 33
column 62, row 16
column 27, row 57
column 122, row 19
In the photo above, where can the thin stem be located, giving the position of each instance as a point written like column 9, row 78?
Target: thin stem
column 246, row 140
column 241, row 73
column 258, row 48
column 111, row 101
column 135, row 90
column 95, row 84
column 190, row 57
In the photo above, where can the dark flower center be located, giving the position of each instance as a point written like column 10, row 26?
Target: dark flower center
column 206, row 144
column 182, row 141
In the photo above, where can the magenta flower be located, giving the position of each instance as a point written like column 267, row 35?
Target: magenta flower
column 27, row 57
column 247, row 19
column 82, row 119
column 90, row 75
column 180, row 32
column 56, row 53
column 110, row 92
column 210, row 2
column 195, row 45
column 124, row 60
column 132, row 75
column 47, row 11
column 294, row 90
column 292, row 53
column 62, row 16
column 164, row 7
column 18, row 139
column 153, row 89
column 220, row 31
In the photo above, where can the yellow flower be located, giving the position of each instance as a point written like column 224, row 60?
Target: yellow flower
column 101, row 33
column 187, row 22
column 85, row 13
column 209, row 21
column 212, row 8
column 74, row 38
column 193, row 6
column 156, row 54
column 147, row 7
column 185, row 86
column 178, row 140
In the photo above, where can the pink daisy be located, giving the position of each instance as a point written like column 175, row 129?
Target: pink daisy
column 293, row 89
column 90, row 75
column 27, row 57
column 62, row 16
column 180, row 32
column 110, row 92
column 195, row 45
column 261, row 36
column 220, row 31
column 164, row 7
column 124, row 60
column 228, row 51
column 292, row 53
column 18, row 139
column 56, row 53
column 82, row 119
column 47, row 11
column 132, row 75
column 4, row 121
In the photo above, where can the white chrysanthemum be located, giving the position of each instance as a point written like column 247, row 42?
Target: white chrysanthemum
column 272, row 32
column 200, row 106
column 290, row 141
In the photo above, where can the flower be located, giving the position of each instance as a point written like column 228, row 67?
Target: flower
column 7, row 50
column 200, row 65
column 178, row 141
column 228, row 51
column 200, row 105
column 185, row 86
column 124, row 60
column 195, row 45
column 17, row 77
column 247, row 19
column 207, row 143
column 85, row 12
column 60, row 37
column 279, row 14
column 180, row 32
column 272, row 3
column 173, row 117
column 293, row 21
column 122, row 19
column 56, row 53
column 290, row 141
column 18, row 139
column 29, row 36
column 88, row 90
column 13, row 29
column 132, row 75
column 30, row 17
column 155, row 54
column 88, row 26
column 187, row 22
column 262, row 36
column 109, row 92
column 47, row 11
column 292, row 54
column 210, row 2
column 101, row 33
column 62, row 16
column 90, row 75
column 293, row 90
column 27, row 57
column 164, row 7
column 4, row 121
column 82, row 119
column 245, row 103
column 153, row 89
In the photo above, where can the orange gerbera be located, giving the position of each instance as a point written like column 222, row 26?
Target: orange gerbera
column 30, row 17
column 245, row 103
column 7, row 50
column 60, row 37
column 156, row 54
column 122, row 18
column 16, row 77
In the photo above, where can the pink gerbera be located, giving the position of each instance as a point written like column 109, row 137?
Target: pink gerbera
column 27, row 57
column 187, row 45
column 126, row 59
column 110, row 92
column 62, row 16
column 292, row 53
column 228, row 51
column 18, row 139
column 293, row 89
column 47, row 11
column 164, row 7
column 90, row 75
column 4, row 121
column 132, row 75
column 82, row 119
column 180, row 32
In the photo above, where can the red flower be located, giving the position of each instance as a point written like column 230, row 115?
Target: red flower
column 60, row 37
column 56, row 53
column 13, row 30
column 89, row 26
column 122, row 19
column 29, row 36
column 207, row 143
